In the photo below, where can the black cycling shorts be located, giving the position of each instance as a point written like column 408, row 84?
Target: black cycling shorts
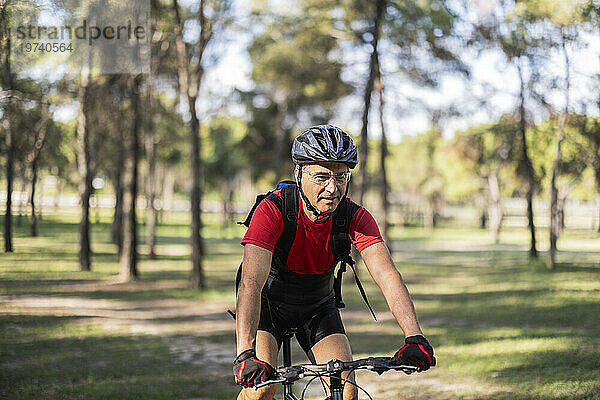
column 313, row 322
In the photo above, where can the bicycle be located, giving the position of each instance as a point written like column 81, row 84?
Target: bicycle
column 289, row 374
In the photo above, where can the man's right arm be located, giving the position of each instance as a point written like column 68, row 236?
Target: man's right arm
column 255, row 270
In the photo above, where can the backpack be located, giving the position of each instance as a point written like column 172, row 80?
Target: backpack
column 340, row 239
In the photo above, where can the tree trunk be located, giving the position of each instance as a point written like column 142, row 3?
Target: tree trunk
column 430, row 212
column 33, row 221
column 555, row 207
column 33, row 158
column 118, row 128
column 562, row 200
column 529, row 173
column 129, row 270
column 150, row 154
column 555, row 222
column 60, row 185
column 190, row 73
column 117, row 224
column 598, row 206
column 197, row 275
column 596, row 168
column 383, row 153
column 364, row 134
column 40, row 214
column 480, row 204
column 84, row 166
column 227, row 202
column 8, row 127
column 280, row 136
column 168, row 189
column 21, row 204
column 495, row 206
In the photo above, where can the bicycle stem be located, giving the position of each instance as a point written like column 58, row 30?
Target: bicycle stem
column 288, row 393
column 336, row 386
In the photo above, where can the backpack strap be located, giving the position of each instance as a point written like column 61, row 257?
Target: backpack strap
column 261, row 197
column 288, row 204
column 340, row 240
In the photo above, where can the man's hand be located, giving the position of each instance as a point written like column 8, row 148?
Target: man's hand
column 417, row 351
column 249, row 370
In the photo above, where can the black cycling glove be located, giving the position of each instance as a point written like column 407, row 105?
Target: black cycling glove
column 249, row 370
column 417, row 351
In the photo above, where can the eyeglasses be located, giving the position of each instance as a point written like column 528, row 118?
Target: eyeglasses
column 322, row 178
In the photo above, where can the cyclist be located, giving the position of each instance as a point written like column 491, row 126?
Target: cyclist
column 269, row 303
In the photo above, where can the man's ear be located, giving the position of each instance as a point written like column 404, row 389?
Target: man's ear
column 297, row 174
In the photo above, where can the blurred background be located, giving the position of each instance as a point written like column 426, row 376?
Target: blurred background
column 478, row 130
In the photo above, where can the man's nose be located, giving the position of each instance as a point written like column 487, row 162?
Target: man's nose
column 331, row 186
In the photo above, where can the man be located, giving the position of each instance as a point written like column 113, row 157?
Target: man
column 276, row 294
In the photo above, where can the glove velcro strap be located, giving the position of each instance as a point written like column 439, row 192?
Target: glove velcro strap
column 244, row 355
column 417, row 339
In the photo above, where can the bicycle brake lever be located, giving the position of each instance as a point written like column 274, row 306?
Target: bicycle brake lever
column 407, row 369
column 269, row 382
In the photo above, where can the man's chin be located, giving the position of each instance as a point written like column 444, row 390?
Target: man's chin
column 328, row 206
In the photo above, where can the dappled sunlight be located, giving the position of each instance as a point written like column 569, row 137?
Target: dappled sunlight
column 500, row 329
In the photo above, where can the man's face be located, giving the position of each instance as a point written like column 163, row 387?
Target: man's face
column 321, row 188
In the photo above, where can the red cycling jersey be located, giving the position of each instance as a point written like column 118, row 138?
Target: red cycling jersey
column 311, row 251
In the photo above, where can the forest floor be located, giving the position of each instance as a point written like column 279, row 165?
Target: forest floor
column 502, row 327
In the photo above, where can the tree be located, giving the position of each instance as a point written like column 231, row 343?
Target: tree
column 488, row 149
column 383, row 153
column 225, row 160
column 85, row 164
column 418, row 38
column 117, row 128
column 190, row 74
column 130, row 182
column 589, row 148
column 260, row 133
column 160, row 67
column 374, row 32
column 431, row 187
column 512, row 33
column 295, row 64
column 415, row 162
column 151, row 158
column 556, row 200
column 8, row 111
column 33, row 157
column 563, row 23
column 590, row 13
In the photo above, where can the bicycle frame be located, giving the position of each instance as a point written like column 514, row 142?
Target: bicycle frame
column 336, row 385
column 289, row 374
column 288, row 392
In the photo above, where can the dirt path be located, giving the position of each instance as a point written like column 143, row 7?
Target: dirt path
column 183, row 324
column 180, row 319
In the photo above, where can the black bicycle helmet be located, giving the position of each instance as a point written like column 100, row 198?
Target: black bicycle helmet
column 324, row 143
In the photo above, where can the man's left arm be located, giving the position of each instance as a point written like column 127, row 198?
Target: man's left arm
column 416, row 350
column 381, row 267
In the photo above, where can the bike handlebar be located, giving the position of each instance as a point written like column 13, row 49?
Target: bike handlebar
column 375, row 364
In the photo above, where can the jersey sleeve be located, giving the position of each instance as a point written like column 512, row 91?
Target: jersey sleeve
column 265, row 227
column 364, row 231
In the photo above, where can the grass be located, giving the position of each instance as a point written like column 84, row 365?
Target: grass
column 502, row 327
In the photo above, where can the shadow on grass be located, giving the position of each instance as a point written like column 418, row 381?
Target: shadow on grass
column 516, row 308
column 91, row 365
column 573, row 371
column 174, row 288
